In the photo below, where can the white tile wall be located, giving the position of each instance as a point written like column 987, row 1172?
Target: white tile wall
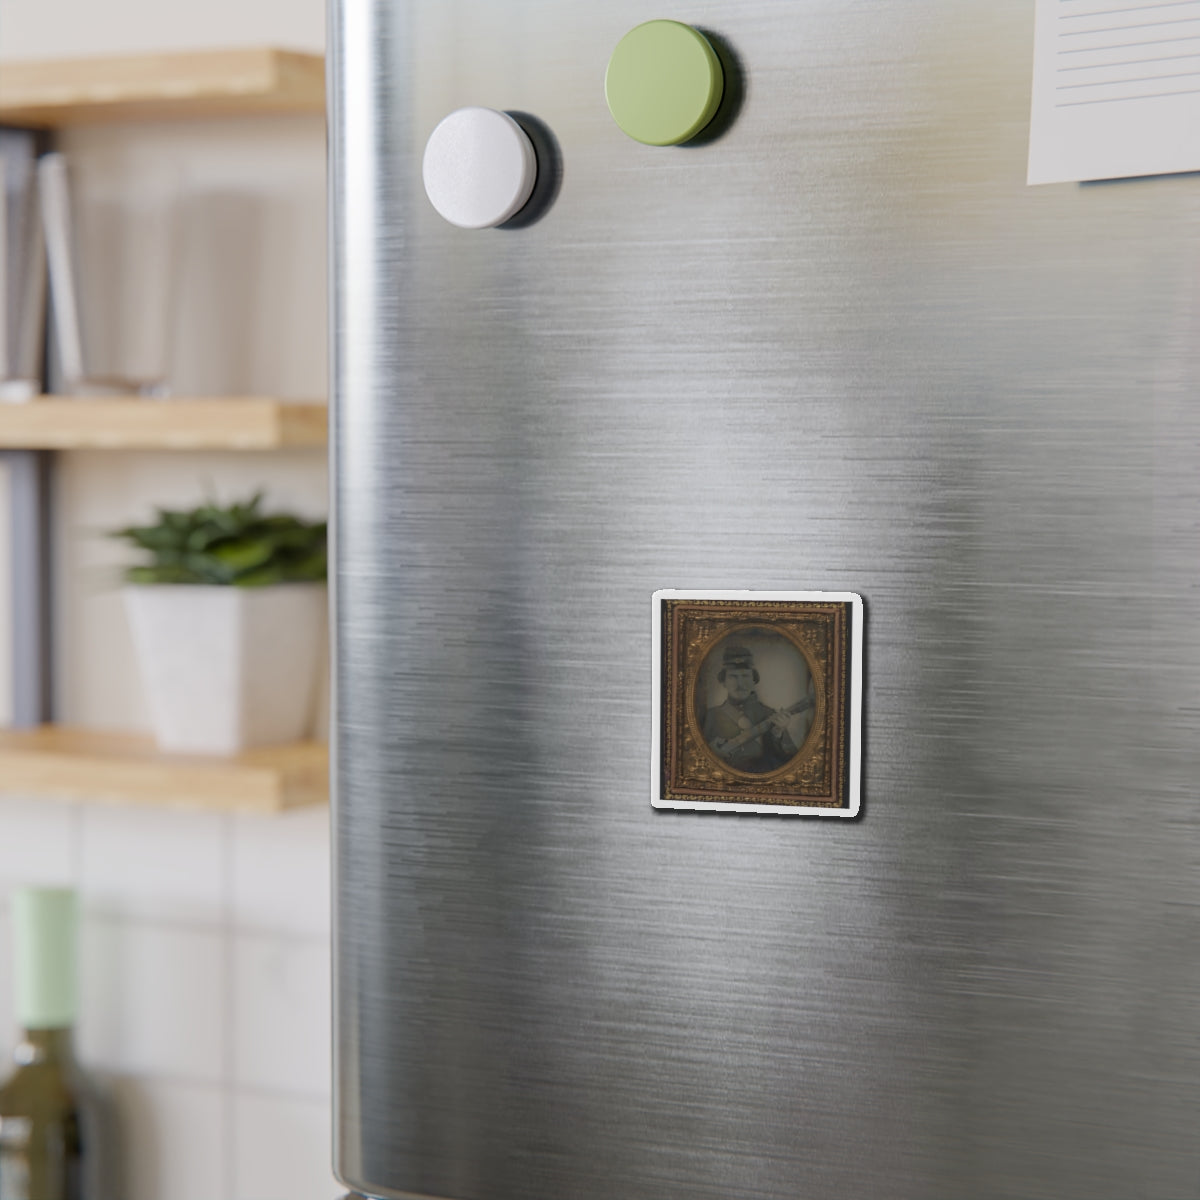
column 282, row 1015
column 156, row 1000
column 171, row 1142
column 7, row 1015
column 38, row 843
column 154, row 864
column 205, row 978
column 281, row 873
column 282, row 1150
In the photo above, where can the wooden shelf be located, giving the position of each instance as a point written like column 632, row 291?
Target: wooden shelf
column 78, row 764
column 229, row 423
column 217, row 83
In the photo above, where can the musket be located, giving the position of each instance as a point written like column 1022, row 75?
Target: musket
column 748, row 735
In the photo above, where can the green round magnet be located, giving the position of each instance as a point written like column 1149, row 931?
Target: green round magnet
column 664, row 83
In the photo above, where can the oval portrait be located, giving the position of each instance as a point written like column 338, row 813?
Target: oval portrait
column 755, row 700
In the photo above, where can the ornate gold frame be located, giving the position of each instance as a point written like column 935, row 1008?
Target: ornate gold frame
column 816, row 775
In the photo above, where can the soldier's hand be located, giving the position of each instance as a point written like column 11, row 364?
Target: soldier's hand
column 779, row 722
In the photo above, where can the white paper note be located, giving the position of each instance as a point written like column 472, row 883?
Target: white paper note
column 1116, row 89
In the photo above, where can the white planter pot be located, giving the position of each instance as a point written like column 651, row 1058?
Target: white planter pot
column 226, row 668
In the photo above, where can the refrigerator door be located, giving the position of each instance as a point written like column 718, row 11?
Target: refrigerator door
column 841, row 346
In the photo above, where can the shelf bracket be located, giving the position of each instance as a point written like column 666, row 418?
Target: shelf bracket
column 29, row 474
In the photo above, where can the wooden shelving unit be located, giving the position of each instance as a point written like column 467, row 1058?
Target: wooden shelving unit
column 80, row 764
column 228, row 423
column 219, row 83
column 86, row 765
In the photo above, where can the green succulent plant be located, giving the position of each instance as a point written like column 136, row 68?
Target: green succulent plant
column 238, row 546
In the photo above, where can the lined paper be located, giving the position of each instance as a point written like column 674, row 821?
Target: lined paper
column 1116, row 89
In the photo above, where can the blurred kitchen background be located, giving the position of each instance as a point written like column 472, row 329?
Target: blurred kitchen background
column 205, row 943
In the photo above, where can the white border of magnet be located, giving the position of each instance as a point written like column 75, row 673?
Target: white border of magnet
column 854, row 733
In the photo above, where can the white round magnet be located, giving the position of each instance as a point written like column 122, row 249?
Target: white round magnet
column 479, row 168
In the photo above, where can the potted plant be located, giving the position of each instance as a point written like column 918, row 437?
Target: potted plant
column 228, row 621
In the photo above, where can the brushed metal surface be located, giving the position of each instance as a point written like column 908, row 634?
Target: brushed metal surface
column 841, row 347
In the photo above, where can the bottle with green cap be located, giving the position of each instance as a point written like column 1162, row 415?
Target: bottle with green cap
column 44, row 1147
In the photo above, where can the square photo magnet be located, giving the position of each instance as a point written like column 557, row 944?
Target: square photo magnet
column 757, row 702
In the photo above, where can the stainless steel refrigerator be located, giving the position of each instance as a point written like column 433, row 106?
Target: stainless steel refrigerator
column 833, row 343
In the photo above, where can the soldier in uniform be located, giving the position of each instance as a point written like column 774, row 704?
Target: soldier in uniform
column 743, row 711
